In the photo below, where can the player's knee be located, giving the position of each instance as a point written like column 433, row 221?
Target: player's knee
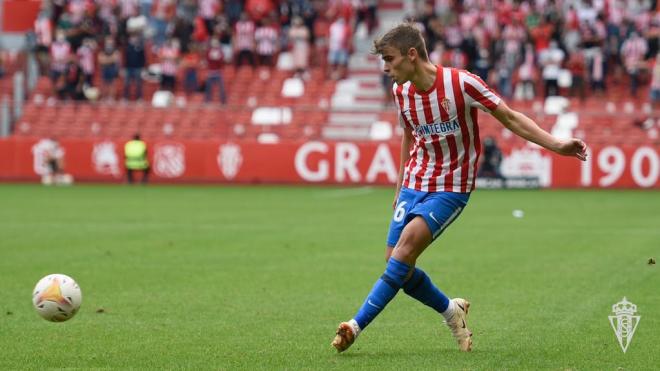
column 405, row 251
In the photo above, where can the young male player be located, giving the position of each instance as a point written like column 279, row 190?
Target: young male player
column 440, row 150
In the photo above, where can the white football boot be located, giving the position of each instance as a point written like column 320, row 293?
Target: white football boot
column 458, row 325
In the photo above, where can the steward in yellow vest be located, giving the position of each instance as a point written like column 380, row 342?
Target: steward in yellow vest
column 135, row 155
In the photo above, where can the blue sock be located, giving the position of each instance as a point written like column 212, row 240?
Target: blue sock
column 420, row 287
column 383, row 291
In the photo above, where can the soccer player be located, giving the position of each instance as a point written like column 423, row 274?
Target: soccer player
column 440, row 150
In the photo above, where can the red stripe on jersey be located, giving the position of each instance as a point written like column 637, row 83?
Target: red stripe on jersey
column 426, row 105
column 465, row 133
column 444, row 115
column 435, row 142
column 453, row 164
column 476, row 95
column 399, row 96
column 477, row 143
column 425, row 155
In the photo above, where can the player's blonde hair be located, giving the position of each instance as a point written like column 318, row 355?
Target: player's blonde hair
column 402, row 37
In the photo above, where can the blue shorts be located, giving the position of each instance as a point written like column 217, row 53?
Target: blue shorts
column 439, row 210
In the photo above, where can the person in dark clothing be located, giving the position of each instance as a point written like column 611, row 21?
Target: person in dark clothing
column 135, row 63
column 490, row 167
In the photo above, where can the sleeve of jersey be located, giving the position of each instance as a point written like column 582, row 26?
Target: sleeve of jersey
column 398, row 100
column 480, row 95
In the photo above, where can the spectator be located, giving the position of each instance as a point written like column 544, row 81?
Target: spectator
column 134, row 64
column 577, row 66
column 200, row 33
column 162, row 13
column 655, row 81
column 438, row 56
column 571, row 32
column 86, row 54
column 452, row 33
column 299, row 40
column 43, row 29
column 109, row 59
column 369, row 9
column 551, row 60
column 492, row 36
column 482, row 63
column 183, row 31
column 542, row 35
column 214, row 64
column 320, row 35
column 223, row 32
column 189, row 64
column 107, row 15
column 77, row 9
column 504, row 76
column 492, row 160
column 514, row 36
column 60, row 52
column 266, row 37
column 259, row 9
column 169, row 63
column 633, row 51
column 244, row 41
column 457, row 58
column 652, row 35
column 527, row 74
column 208, row 10
column 74, row 80
column 338, row 46
column 233, row 10
column 597, row 71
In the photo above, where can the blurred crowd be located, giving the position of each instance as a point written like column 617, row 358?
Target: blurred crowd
column 184, row 44
column 522, row 48
column 529, row 48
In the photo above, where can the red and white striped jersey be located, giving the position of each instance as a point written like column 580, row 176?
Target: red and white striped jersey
column 86, row 59
column 59, row 55
column 128, row 8
column 43, row 28
column 266, row 38
column 208, row 9
column 244, row 35
column 168, row 60
column 443, row 120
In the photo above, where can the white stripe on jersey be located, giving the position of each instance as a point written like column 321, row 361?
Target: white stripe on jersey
column 433, row 157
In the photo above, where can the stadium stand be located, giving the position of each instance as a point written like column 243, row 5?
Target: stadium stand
column 352, row 103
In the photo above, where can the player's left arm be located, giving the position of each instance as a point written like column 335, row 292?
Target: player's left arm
column 526, row 128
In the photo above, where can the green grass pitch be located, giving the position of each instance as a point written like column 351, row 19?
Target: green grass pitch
column 217, row 277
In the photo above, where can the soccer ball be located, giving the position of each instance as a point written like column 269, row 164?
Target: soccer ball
column 57, row 297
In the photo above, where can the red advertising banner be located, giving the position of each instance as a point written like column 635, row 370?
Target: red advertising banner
column 19, row 15
column 189, row 161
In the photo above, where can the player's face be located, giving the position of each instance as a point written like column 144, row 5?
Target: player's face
column 397, row 66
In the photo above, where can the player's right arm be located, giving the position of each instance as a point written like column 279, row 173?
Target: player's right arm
column 406, row 142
